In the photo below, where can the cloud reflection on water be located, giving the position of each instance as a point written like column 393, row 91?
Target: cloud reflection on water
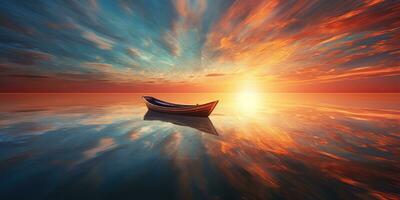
column 312, row 146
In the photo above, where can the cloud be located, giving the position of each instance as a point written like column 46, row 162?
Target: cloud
column 101, row 42
column 134, row 52
column 316, row 79
column 171, row 43
column 10, row 24
column 28, row 76
column 287, row 41
column 62, row 26
column 215, row 74
column 27, row 57
column 363, row 72
column 96, row 65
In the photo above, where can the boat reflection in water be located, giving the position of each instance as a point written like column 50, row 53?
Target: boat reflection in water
column 202, row 124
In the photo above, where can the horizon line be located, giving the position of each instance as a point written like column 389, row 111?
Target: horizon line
column 196, row 92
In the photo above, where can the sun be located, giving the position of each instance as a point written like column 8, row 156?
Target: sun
column 248, row 100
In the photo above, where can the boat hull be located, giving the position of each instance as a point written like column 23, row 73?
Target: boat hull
column 203, row 110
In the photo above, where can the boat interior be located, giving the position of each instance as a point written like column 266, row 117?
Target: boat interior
column 159, row 102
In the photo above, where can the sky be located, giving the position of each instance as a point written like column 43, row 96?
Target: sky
column 199, row 46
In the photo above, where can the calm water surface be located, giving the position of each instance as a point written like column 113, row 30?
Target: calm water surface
column 275, row 146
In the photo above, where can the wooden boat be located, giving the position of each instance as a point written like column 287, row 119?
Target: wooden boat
column 203, row 110
column 202, row 124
